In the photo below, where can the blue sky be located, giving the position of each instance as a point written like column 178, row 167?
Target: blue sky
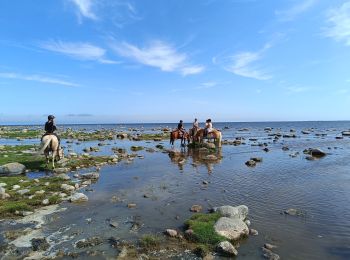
column 160, row 61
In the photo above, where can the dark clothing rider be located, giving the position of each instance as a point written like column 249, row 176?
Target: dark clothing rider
column 50, row 127
column 180, row 128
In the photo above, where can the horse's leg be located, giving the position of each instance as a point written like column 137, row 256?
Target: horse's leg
column 53, row 159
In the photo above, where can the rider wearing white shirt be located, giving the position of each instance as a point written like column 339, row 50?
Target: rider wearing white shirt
column 208, row 126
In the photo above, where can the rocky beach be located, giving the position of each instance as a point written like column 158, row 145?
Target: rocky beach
column 273, row 191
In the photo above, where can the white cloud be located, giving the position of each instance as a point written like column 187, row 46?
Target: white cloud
column 339, row 23
column 294, row 11
column 242, row 64
column 297, row 89
column 160, row 55
column 207, row 85
column 37, row 78
column 192, row 70
column 78, row 50
column 85, row 8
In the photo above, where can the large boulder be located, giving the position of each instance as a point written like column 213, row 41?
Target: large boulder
column 12, row 169
column 231, row 228
column 240, row 212
column 317, row 153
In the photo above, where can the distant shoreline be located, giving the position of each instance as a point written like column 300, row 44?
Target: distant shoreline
column 171, row 123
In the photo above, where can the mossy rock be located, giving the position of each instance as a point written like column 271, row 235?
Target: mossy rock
column 203, row 228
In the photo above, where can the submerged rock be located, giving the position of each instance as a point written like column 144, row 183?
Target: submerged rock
column 226, row 248
column 40, row 244
column 268, row 254
column 196, row 208
column 269, row 246
column 88, row 242
column 78, row 197
column 294, row 212
column 61, row 170
column 12, row 169
column 250, row 163
column 253, row 232
column 90, row 175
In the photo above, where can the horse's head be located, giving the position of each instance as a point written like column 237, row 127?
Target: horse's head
column 60, row 153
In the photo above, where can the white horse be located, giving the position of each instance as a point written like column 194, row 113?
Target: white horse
column 50, row 144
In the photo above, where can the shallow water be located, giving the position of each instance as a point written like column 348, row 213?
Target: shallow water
column 320, row 188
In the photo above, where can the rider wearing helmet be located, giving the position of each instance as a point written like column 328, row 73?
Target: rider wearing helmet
column 50, row 127
column 180, row 128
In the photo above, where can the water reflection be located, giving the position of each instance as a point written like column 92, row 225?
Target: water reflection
column 198, row 157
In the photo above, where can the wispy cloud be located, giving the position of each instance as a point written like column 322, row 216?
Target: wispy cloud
column 244, row 64
column 160, row 55
column 339, row 23
column 292, row 12
column 78, row 50
column 208, row 84
column 84, row 9
column 296, row 89
column 37, row 78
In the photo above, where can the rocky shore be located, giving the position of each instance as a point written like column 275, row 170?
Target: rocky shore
column 28, row 200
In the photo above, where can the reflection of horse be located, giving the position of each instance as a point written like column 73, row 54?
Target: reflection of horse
column 49, row 144
column 199, row 157
column 214, row 134
column 174, row 135
column 192, row 132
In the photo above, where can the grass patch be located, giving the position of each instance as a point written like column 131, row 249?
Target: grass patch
column 16, row 153
column 54, row 199
column 13, row 206
column 30, row 200
column 150, row 242
column 22, row 134
column 203, row 228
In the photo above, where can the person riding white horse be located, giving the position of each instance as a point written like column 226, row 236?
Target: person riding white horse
column 208, row 127
column 50, row 142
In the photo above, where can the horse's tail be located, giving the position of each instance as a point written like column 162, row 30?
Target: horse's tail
column 44, row 146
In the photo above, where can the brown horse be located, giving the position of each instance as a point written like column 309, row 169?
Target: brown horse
column 215, row 134
column 174, row 135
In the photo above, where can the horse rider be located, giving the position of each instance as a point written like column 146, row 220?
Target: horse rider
column 180, row 128
column 208, row 127
column 195, row 125
column 50, row 127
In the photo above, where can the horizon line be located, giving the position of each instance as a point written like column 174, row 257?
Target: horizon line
column 135, row 123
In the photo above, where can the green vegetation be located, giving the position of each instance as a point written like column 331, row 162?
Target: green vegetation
column 203, row 228
column 136, row 148
column 86, row 162
column 20, row 133
column 150, row 242
column 24, row 154
column 157, row 137
column 49, row 188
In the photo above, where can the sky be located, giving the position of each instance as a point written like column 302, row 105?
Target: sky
column 124, row 61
